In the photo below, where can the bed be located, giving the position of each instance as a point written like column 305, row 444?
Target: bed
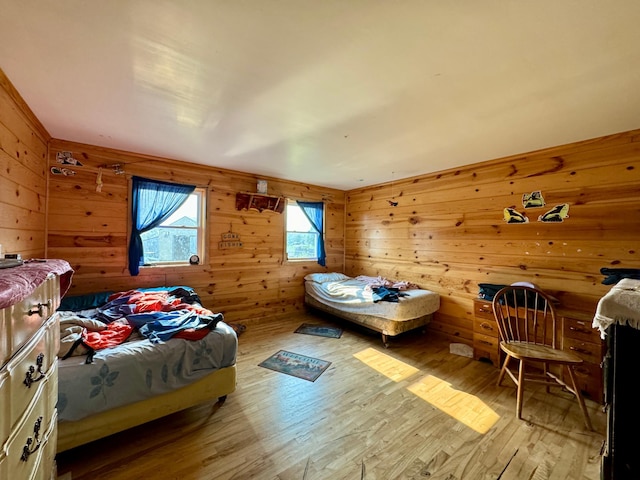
column 127, row 358
column 385, row 306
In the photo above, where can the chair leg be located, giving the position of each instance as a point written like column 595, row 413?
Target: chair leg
column 583, row 407
column 503, row 370
column 545, row 370
column 520, row 389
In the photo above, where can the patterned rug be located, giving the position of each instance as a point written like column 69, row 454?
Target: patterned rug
column 296, row 365
column 319, row 330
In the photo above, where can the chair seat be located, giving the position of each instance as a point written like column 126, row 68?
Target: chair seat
column 528, row 351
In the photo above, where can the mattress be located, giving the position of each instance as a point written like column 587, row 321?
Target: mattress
column 351, row 295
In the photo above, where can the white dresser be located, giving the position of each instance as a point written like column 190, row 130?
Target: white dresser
column 29, row 340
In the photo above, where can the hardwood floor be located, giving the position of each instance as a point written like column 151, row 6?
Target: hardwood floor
column 411, row 411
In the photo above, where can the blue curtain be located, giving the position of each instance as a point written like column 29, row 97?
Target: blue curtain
column 152, row 202
column 315, row 213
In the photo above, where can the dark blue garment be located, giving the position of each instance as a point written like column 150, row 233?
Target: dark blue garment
column 614, row 275
column 387, row 294
column 161, row 326
column 115, row 309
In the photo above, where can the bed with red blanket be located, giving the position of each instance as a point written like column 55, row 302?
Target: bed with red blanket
column 130, row 357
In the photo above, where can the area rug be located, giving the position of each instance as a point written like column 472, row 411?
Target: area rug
column 319, row 330
column 296, row 365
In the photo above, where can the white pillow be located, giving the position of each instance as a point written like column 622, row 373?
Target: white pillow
column 326, row 277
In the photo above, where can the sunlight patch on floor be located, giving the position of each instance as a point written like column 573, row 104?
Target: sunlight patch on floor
column 390, row 367
column 465, row 408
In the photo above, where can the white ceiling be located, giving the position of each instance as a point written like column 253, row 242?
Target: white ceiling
column 338, row 93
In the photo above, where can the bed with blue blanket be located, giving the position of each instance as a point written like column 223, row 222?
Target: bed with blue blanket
column 130, row 357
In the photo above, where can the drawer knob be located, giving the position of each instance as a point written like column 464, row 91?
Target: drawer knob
column 580, row 350
column 29, row 448
column 580, row 330
column 486, row 326
column 28, row 379
column 39, row 308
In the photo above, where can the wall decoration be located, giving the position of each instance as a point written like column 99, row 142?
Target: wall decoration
column 230, row 240
column 66, row 158
column 116, row 167
column 262, row 186
column 62, row 171
column 513, row 216
column 533, row 199
column 259, row 202
column 99, row 180
column 392, row 202
column 556, row 214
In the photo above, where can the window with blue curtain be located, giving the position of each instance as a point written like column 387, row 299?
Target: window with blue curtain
column 152, row 202
column 305, row 231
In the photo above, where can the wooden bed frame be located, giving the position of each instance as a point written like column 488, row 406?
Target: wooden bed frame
column 216, row 385
column 386, row 327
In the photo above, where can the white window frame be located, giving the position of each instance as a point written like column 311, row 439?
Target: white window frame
column 202, row 194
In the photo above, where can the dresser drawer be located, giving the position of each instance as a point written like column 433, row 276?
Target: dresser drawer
column 483, row 309
column 590, row 381
column 587, row 351
column 486, row 347
column 30, row 369
column 28, row 442
column 581, row 330
column 485, row 326
column 26, row 317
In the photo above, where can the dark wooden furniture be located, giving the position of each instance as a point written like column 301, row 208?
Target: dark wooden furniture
column 620, row 460
column 618, row 317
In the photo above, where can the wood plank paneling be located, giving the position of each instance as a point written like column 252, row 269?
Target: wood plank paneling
column 447, row 232
column 23, row 180
column 90, row 230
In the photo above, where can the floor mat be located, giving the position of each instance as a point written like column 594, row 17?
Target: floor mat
column 319, row 330
column 294, row 364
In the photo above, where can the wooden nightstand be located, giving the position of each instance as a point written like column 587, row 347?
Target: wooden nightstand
column 485, row 333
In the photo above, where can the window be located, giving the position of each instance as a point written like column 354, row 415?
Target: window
column 304, row 235
column 180, row 236
column 168, row 223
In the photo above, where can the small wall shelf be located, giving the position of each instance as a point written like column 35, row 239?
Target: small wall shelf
column 259, row 202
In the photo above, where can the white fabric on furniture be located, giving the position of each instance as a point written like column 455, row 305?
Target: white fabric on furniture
column 621, row 306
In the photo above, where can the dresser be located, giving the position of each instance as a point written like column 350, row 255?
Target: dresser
column 618, row 319
column 576, row 335
column 29, row 340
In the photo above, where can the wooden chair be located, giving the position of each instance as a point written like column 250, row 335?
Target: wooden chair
column 528, row 331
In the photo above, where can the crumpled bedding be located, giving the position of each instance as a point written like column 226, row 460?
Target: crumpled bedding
column 356, row 296
column 140, row 367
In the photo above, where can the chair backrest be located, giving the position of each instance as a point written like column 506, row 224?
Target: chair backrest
column 525, row 314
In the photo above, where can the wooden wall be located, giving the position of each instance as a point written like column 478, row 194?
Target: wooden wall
column 23, row 179
column 90, row 230
column 447, row 232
